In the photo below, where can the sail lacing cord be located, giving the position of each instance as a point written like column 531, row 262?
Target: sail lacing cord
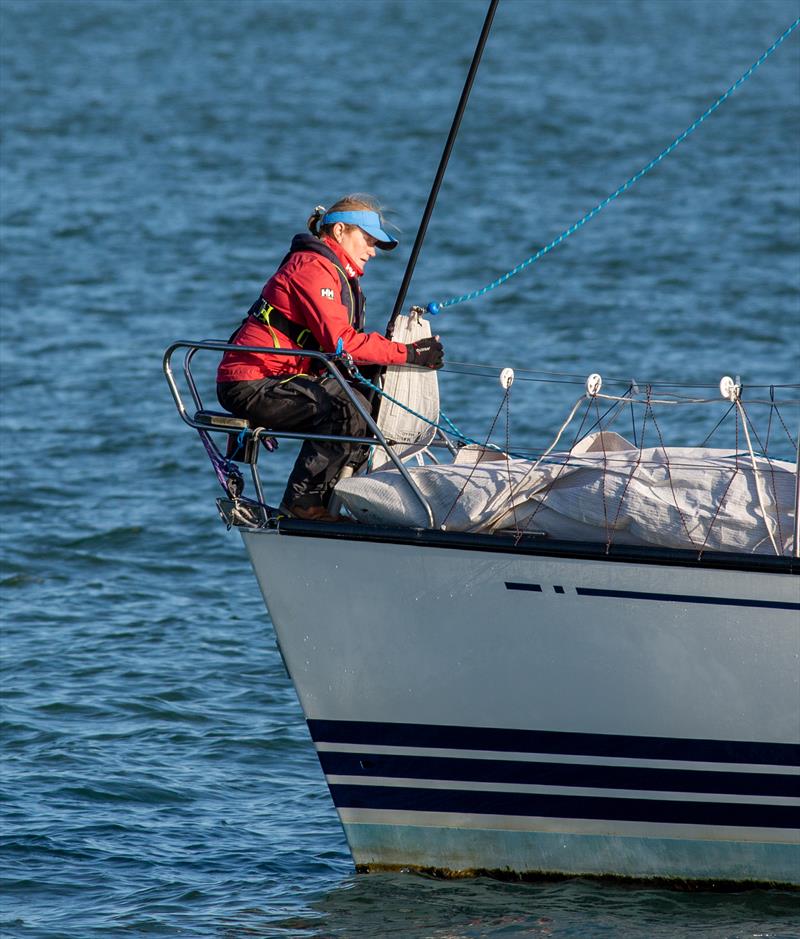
column 486, row 446
column 774, row 408
column 633, row 472
column 724, row 496
column 730, row 390
column 649, row 407
column 605, row 475
column 561, row 467
column 508, row 459
column 435, row 307
column 772, row 478
column 593, row 394
column 735, row 397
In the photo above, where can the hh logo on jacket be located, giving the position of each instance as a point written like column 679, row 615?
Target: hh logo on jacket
column 327, row 293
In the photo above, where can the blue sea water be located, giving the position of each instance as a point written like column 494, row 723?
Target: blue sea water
column 157, row 156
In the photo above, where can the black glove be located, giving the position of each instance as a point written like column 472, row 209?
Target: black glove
column 426, row 352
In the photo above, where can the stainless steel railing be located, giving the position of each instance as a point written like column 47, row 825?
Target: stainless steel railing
column 329, row 362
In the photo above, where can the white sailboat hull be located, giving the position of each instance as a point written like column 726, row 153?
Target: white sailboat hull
column 479, row 708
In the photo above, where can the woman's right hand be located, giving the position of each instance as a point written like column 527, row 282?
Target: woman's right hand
column 428, row 353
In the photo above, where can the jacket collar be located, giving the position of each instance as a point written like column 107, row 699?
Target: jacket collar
column 350, row 267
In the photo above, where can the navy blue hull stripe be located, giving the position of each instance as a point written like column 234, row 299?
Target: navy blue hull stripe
column 686, row 598
column 662, row 597
column 446, row 737
column 368, row 765
column 550, row 806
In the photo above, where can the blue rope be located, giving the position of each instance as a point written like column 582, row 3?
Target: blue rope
column 454, row 431
column 433, row 308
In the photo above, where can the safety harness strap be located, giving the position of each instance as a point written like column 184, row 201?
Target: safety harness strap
column 273, row 319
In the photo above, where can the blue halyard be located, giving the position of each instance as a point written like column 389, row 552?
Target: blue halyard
column 435, row 307
column 451, row 428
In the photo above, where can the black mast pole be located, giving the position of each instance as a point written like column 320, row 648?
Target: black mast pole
column 451, row 139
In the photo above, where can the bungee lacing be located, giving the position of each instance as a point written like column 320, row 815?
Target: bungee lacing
column 436, row 306
column 617, row 403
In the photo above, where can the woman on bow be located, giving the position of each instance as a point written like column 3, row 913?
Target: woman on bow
column 314, row 301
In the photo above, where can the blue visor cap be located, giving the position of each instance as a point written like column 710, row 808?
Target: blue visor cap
column 367, row 221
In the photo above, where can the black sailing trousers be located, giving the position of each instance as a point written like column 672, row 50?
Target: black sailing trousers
column 316, row 405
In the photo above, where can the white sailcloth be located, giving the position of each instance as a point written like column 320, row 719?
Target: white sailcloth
column 417, row 388
column 675, row 497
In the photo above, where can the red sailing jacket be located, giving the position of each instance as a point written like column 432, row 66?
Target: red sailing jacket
column 309, row 290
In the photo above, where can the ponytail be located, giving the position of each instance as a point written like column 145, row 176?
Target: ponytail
column 315, row 219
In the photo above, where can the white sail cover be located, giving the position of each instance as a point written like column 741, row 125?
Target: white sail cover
column 417, row 388
column 670, row 497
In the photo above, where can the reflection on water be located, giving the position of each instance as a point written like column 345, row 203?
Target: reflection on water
column 414, row 906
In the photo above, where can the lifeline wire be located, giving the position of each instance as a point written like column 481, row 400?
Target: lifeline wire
column 433, row 308
column 619, row 399
column 453, row 429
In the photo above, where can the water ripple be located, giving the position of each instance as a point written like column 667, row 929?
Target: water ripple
column 158, row 778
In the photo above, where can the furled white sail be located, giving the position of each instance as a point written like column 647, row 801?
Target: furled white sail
column 417, row 388
column 670, row 497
